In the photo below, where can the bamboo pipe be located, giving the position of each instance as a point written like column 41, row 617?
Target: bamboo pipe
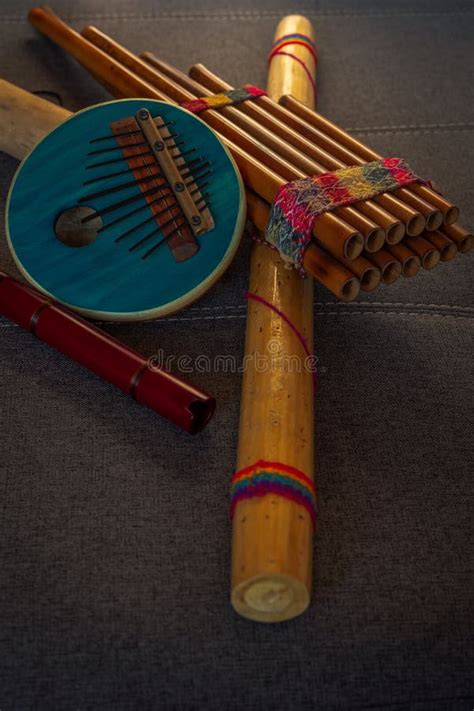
column 412, row 195
column 463, row 238
column 112, row 74
column 26, row 119
column 411, row 263
column 336, row 234
column 259, row 146
column 303, row 155
column 272, row 536
column 413, row 218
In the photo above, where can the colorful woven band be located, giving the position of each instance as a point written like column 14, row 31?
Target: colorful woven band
column 264, row 478
column 298, row 204
column 228, row 98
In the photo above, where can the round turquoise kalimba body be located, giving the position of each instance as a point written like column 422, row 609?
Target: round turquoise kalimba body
column 104, row 279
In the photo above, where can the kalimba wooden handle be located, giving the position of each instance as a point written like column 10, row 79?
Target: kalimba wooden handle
column 25, row 118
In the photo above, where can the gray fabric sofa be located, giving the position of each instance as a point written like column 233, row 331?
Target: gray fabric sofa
column 114, row 533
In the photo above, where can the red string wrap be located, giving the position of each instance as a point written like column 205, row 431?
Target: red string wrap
column 296, row 39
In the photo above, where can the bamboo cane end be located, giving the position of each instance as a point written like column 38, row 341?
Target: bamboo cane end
column 270, row 598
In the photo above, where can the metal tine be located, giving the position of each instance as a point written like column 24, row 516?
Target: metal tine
column 126, row 133
column 117, row 173
column 203, row 203
column 118, row 160
column 196, row 178
column 199, row 167
column 204, row 199
column 198, row 188
column 133, row 183
column 134, row 212
column 116, row 148
column 191, row 163
column 145, row 222
column 153, row 232
column 127, row 201
column 161, row 242
column 181, row 154
column 122, row 186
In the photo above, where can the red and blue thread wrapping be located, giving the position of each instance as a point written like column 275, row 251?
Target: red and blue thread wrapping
column 295, row 39
column 264, row 478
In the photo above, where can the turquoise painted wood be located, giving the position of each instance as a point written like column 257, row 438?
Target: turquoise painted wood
column 105, row 279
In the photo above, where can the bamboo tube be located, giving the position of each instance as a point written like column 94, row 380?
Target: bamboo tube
column 447, row 248
column 415, row 195
column 463, row 238
column 101, row 66
column 25, row 119
column 390, row 267
column 272, row 536
column 337, row 235
column 258, row 142
column 411, row 263
column 414, row 220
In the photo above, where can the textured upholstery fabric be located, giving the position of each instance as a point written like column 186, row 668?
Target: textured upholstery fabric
column 114, row 535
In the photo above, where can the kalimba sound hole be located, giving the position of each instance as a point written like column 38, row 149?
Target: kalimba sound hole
column 77, row 226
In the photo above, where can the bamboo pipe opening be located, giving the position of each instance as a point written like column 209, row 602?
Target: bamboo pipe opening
column 395, row 233
column 430, row 259
column 415, row 225
column 391, row 272
column 434, row 220
column 411, row 266
column 370, row 279
column 466, row 244
column 350, row 289
column 451, row 215
column 353, row 246
column 375, row 239
column 448, row 252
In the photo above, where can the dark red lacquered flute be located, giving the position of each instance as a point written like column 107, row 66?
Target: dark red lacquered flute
column 178, row 401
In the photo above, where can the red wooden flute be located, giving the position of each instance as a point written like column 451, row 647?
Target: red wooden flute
column 178, row 401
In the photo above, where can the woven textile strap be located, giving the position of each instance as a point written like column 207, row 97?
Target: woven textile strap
column 298, row 204
column 228, row 98
column 264, row 478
